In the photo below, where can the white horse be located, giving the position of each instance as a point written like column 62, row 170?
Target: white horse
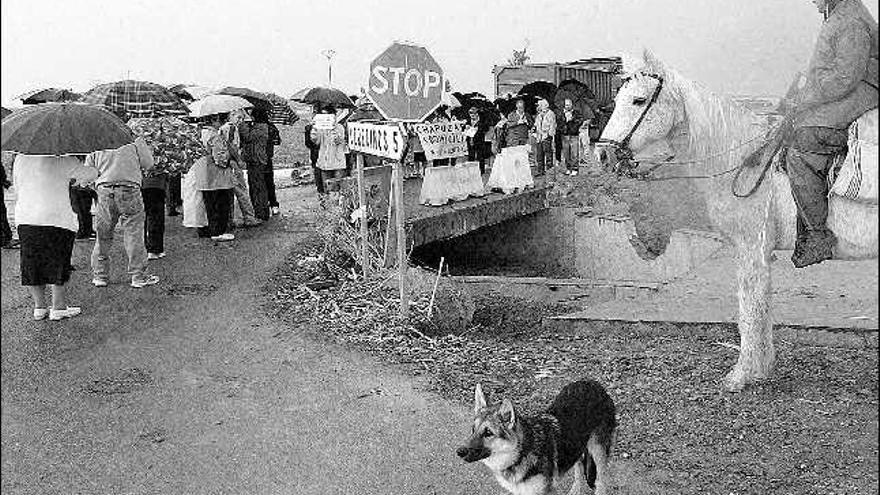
column 700, row 140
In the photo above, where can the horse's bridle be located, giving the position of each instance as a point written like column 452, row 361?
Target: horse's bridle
column 621, row 148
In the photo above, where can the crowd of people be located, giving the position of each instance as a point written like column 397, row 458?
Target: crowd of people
column 126, row 190
column 57, row 195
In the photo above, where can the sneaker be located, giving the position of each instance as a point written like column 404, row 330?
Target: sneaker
column 60, row 314
column 40, row 313
column 99, row 282
column 223, row 237
column 276, row 211
column 141, row 283
column 155, row 256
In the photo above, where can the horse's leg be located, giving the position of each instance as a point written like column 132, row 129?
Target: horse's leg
column 756, row 352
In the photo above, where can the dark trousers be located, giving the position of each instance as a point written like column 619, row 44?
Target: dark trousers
column 81, row 202
column 5, row 230
column 257, row 192
column 154, row 221
column 217, row 206
column 174, row 198
column 269, row 178
column 544, row 155
column 809, row 160
column 319, row 179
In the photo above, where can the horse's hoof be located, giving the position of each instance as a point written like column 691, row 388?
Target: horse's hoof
column 735, row 381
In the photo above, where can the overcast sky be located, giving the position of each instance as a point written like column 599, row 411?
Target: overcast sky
column 746, row 47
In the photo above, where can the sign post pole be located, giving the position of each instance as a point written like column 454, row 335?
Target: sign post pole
column 402, row 261
column 362, row 199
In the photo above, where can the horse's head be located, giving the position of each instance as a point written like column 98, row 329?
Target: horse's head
column 645, row 115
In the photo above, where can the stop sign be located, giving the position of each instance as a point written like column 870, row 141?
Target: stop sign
column 405, row 83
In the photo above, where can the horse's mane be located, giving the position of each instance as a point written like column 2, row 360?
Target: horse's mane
column 713, row 123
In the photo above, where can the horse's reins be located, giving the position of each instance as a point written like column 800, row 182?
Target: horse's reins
column 625, row 154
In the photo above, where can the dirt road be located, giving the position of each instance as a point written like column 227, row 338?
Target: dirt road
column 187, row 387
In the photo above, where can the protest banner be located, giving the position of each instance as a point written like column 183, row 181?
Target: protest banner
column 385, row 140
column 442, row 139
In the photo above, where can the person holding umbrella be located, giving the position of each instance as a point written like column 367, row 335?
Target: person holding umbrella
column 478, row 149
column 50, row 140
column 332, row 147
column 254, row 150
column 230, row 131
column 215, row 179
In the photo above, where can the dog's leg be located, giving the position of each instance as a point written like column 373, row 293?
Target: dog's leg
column 599, row 453
column 578, row 471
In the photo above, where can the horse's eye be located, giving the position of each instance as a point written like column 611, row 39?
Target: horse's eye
column 487, row 433
column 639, row 100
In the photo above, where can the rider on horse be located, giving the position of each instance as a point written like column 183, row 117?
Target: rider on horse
column 840, row 85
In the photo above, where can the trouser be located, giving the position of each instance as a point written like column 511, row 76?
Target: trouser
column 217, row 206
column 571, row 152
column 808, row 161
column 319, row 180
column 544, row 155
column 269, row 179
column 5, row 230
column 257, row 192
column 123, row 205
column 81, row 203
column 154, row 224
column 330, row 174
column 174, row 197
column 240, row 192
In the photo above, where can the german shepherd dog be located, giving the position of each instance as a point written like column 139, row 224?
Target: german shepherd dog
column 529, row 454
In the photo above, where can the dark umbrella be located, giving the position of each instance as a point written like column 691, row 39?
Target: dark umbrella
column 280, row 111
column 4, row 112
column 257, row 99
column 327, row 97
column 175, row 144
column 487, row 109
column 63, row 129
column 365, row 111
column 538, row 89
column 130, row 99
column 48, row 95
column 581, row 96
column 507, row 104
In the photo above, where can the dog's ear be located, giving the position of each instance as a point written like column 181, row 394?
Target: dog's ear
column 507, row 414
column 479, row 399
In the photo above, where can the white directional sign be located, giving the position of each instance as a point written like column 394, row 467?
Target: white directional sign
column 385, row 140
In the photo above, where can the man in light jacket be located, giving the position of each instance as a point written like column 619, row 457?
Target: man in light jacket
column 120, row 174
column 840, row 86
column 545, row 132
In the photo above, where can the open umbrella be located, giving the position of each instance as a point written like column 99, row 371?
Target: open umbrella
column 214, row 104
column 130, row 99
column 190, row 92
column 47, row 95
column 257, row 99
column 62, row 129
column 581, row 96
column 299, row 95
column 280, row 111
column 365, row 111
column 175, row 144
column 540, row 89
column 327, row 97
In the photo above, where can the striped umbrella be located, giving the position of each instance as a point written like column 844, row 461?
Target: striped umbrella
column 62, row 129
column 280, row 111
column 130, row 99
column 47, row 95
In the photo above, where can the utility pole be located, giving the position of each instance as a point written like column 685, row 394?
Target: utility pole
column 329, row 53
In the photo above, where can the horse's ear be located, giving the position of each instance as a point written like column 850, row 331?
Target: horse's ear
column 652, row 63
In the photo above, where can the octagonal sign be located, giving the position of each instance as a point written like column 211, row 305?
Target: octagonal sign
column 405, row 83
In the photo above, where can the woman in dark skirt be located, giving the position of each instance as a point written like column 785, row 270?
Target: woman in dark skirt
column 47, row 227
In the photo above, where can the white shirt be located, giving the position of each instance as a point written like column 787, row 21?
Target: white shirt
column 41, row 185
